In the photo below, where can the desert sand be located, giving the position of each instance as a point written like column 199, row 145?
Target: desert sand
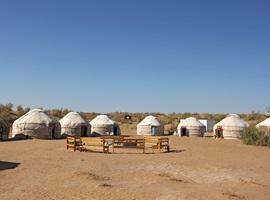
column 197, row 168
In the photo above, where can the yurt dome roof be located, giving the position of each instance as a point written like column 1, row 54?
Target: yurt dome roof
column 72, row 119
column 191, row 122
column 264, row 123
column 232, row 120
column 35, row 116
column 101, row 120
column 150, row 121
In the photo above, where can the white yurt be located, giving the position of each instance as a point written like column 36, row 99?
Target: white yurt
column 264, row 124
column 191, row 127
column 103, row 125
column 73, row 124
column 4, row 129
column 150, row 126
column 36, row 123
column 230, row 128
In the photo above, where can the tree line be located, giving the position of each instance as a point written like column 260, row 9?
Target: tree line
column 11, row 113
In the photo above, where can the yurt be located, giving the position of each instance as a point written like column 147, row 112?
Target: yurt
column 230, row 128
column 36, row 123
column 73, row 124
column 103, row 125
column 264, row 124
column 4, row 129
column 191, row 127
column 150, row 126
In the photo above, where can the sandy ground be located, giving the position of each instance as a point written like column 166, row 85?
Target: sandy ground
column 196, row 168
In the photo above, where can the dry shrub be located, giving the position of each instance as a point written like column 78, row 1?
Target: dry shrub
column 93, row 176
column 105, row 185
column 233, row 195
column 170, row 178
column 254, row 136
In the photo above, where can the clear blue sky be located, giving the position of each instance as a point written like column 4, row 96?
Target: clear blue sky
column 136, row 55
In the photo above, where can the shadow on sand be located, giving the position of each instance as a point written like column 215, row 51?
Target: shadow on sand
column 177, row 151
column 4, row 165
column 149, row 152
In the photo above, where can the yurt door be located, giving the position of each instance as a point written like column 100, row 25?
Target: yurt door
column 84, row 131
column 52, row 132
column 219, row 132
column 115, row 130
column 153, row 130
column 183, row 131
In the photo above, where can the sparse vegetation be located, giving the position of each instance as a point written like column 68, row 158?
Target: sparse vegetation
column 8, row 112
column 254, row 136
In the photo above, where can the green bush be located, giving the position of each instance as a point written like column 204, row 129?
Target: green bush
column 254, row 136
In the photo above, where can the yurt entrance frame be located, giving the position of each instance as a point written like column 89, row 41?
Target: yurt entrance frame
column 84, row 131
column 219, row 132
column 183, row 131
column 115, row 130
column 154, row 130
column 53, row 131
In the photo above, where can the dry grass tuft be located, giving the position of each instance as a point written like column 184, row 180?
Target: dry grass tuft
column 170, row 178
column 93, row 176
column 104, row 185
column 234, row 196
column 178, row 180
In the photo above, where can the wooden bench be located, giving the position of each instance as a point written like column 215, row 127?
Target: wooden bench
column 88, row 144
column 157, row 143
column 73, row 142
column 117, row 141
column 114, row 138
column 104, row 143
column 129, row 142
column 123, row 141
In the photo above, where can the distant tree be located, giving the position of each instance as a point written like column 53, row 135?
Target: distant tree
column 20, row 111
column 56, row 113
column 19, row 108
column 27, row 109
column 65, row 111
column 6, row 109
column 268, row 111
column 10, row 106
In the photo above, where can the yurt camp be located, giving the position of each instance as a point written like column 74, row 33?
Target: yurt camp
column 4, row 129
column 230, row 128
column 191, row 127
column 36, row 123
column 103, row 125
column 150, row 126
column 264, row 124
column 73, row 124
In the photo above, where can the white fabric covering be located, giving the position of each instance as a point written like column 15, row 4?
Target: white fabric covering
column 146, row 125
column 265, row 123
column 74, row 124
column 193, row 127
column 232, row 126
column 103, row 125
column 36, row 123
